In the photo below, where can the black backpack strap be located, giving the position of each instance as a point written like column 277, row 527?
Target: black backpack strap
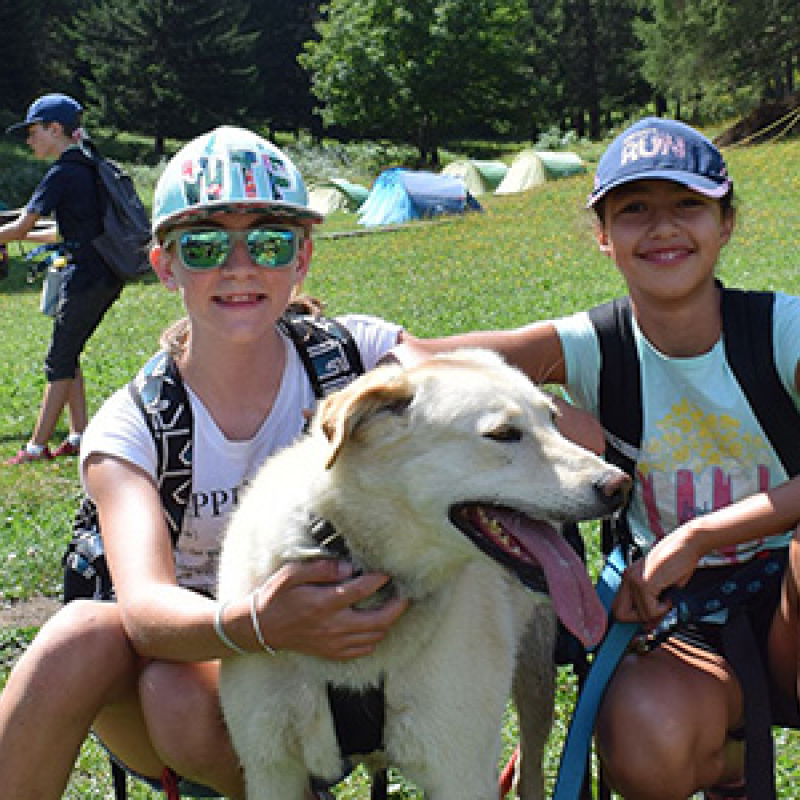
column 159, row 393
column 619, row 399
column 619, row 393
column 748, row 339
column 326, row 348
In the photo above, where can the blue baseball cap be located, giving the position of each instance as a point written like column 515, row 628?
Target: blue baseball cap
column 50, row 108
column 662, row 149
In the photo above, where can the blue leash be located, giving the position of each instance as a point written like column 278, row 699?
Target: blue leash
column 572, row 767
column 728, row 595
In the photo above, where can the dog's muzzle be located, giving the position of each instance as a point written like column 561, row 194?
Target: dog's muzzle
column 541, row 558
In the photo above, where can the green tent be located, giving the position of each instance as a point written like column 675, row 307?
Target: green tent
column 481, row 177
column 558, row 164
column 336, row 194
column 533, row 167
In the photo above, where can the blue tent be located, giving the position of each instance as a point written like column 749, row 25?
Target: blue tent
column 399, row 195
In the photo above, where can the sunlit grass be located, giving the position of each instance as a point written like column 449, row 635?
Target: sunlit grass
column 525, row 257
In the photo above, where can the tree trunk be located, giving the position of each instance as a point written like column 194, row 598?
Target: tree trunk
column 579, row 124
column 589, row 93
column 427, row 147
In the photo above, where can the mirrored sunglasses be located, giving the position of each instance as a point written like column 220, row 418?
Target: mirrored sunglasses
column 209, row 248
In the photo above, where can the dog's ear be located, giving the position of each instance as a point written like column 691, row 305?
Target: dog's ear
column 386, row 389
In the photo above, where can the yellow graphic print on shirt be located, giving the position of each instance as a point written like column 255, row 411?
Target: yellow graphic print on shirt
column 696, row 463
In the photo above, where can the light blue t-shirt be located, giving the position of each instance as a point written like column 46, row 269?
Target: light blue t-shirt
column 702, row 447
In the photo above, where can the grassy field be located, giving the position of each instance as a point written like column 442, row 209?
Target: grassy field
column 528, row 256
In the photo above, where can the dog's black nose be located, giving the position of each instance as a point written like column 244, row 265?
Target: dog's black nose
column 615, row 487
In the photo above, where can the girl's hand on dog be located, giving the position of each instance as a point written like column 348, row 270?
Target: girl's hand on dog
column 308, row 607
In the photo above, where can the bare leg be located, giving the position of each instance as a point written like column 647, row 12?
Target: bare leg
column 784, row 636
column 81, row 673
column 663, row 726
column 186, row 725
column 76, row 402
column 79, row 662
column 56, row 396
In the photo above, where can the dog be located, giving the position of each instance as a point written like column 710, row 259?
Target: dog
column 451, row 477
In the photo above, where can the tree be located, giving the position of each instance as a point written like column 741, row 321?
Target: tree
column 166, row 67
column 541, row 101
column 622, row 89
column 283, row 95
column 59, row 69
column 716, row 49
column 419, row 72
column 599, row 62
column 20, row 80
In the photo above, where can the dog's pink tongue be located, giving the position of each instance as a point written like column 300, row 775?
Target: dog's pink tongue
column 574, row 598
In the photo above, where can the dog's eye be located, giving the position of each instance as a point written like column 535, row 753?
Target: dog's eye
column 504, row 433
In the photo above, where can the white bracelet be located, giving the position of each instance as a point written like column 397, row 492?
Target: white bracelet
column 256, row 627
column 224, row 638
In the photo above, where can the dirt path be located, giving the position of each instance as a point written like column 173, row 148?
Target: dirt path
column 28, row 613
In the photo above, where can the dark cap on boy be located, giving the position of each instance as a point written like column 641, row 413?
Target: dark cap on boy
column 50, row 108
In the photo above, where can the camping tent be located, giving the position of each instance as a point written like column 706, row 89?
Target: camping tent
column 533, row 167
column 481, row 177
column 559, row 164
column 399, row 195
column 336, row 194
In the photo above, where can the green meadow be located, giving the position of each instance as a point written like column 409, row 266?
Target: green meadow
column 525, row 257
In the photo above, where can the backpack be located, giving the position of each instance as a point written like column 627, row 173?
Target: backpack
column 331, row 359
column 126, row 236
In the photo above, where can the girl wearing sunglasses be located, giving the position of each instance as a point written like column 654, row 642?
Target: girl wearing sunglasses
column 233, row 237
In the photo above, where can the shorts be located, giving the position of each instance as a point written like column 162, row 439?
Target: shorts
column 760, row 610
column 79, row 312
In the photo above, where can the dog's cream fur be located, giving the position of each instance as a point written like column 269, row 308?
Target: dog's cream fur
column 386, row 460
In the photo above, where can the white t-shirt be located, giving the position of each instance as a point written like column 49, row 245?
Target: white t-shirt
column 702, row 447
column 221, row 468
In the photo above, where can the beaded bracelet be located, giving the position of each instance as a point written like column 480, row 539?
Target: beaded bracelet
column 224, row 638
column 256, row 627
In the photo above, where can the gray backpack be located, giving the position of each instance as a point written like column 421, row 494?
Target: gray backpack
column 126, row 236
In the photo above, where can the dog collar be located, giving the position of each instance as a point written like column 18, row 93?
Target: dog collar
column 328, row 538
column 333, row 544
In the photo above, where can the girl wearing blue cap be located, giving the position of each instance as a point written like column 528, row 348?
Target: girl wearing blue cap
column 232, row 232
column 89, row 287
column 671, row 721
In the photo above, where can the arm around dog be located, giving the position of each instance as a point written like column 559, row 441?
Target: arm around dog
column 535, row 349
column 305, row 607
column 309, row 607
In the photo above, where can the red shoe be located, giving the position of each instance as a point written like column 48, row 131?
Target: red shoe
column 66, row 448
column 24, row 457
